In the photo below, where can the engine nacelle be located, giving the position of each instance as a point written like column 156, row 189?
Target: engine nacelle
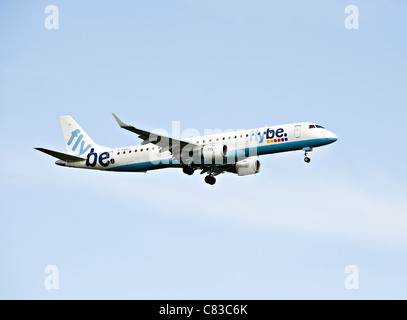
column 214, row 153
column 247, row 166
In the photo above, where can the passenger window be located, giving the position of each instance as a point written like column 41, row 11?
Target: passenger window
column 124, row 152
column 129, row 151
column 241, row 136
column 217, row 139
column 118, row 153
column 141, row 150
column 223, row 138
column 147, row 149
column 235, row 137
column 247, row 135
column 135, row 150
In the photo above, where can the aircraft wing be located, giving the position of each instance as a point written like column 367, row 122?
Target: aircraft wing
column 166, row 143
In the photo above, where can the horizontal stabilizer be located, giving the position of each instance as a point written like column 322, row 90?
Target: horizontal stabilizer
column 60, row 155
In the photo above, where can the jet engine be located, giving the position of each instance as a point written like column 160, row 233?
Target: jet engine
column 247, row 166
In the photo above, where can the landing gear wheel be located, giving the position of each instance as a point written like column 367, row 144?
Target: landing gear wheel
column 210, row 180
column 307, row 150
column 188, row 170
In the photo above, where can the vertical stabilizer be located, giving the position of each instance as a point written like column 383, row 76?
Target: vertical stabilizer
column 77, row 142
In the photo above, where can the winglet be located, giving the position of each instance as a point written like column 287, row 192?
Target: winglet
column 121, row 123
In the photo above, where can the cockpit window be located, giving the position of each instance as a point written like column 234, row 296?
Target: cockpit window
column 311, row 126
column 321, row 127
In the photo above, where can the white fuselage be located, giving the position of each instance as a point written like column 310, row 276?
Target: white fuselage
column 241, row 144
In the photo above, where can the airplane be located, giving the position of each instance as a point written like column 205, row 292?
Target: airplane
column 235, row 152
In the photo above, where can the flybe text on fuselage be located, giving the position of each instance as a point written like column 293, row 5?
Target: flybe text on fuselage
column 269, row 133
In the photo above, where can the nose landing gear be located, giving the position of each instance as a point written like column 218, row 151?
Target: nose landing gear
column 306, row 151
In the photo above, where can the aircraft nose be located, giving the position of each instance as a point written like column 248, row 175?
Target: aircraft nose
column 331, row 137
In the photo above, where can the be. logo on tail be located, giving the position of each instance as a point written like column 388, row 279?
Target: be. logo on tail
column 92, row 158
column 80, row 140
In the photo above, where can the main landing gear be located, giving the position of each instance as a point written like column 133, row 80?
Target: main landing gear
column 188, row 170
column 209, row 179
column 306, row 151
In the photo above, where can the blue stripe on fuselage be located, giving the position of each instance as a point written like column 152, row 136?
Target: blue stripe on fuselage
column 143, row 166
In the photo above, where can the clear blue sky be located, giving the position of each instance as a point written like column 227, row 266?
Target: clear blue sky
column 286, row 233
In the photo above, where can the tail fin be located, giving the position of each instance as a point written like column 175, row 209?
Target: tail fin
column 78, row 143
